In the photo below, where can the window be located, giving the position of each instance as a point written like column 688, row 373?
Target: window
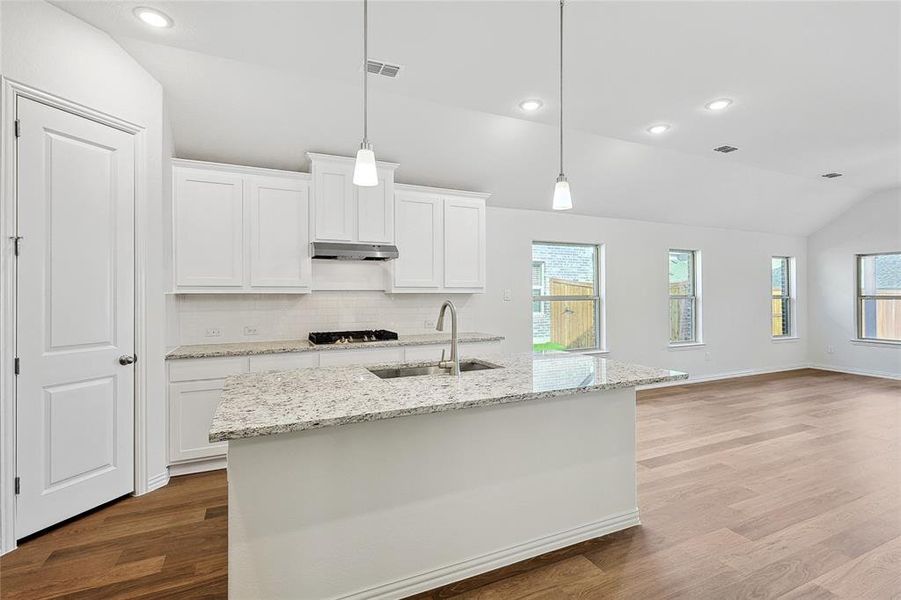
column 879, row 297
column 683, row 297
column 566, row 296
column 783, row 299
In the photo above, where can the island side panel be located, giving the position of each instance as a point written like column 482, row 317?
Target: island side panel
column 388, row 508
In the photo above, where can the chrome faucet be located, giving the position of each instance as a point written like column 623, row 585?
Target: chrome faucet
column 454, row 362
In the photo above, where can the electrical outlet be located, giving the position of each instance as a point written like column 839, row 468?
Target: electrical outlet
column 830, row 349
column 508, row 295
column 429, row 324
column 213, row 332
column 706, row 356
column 250, row 330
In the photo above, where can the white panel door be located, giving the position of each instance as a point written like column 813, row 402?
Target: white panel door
column 209, row 228
column 464, row 243
column 279, row 232
column 333, row 192
column 75, row 298
column 375, row 211
column 192, row 405
column 418, row 228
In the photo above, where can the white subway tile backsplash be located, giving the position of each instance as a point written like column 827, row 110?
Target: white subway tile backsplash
column 280, row 317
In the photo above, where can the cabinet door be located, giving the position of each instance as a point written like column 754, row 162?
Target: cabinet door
column 192, row 405
column 209, row 229
column 278, row 219
column 464, row 243
column 334, row 196
column 375, row 210
column 418, row 228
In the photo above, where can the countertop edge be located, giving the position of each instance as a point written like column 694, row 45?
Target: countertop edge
column 253, row 432
column 179, row 352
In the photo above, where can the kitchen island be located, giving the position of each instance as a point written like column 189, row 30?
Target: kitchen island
column 353, row 482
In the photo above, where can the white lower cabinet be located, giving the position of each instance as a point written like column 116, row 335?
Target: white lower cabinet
column 192, row 405
column 195, row 389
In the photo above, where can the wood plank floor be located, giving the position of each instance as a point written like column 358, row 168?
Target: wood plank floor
column 778, row 486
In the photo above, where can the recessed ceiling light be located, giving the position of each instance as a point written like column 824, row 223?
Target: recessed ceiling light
column 658, row 129
column 153, row 17
column 831, row 175
column 718, row 104
column 531, row 105
column 725, row 149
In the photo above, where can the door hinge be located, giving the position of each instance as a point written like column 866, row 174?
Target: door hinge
column 18, row 127
column 16, row 485
column 17, row 244
column 16, row 367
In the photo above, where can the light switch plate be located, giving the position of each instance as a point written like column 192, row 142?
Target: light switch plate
column 508, row 295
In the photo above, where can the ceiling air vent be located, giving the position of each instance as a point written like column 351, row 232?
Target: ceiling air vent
column 831, row 175
column 381, row 68
column 725, row 149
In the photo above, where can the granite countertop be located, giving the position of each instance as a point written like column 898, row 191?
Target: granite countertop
column 280, row 346
column 259, row 404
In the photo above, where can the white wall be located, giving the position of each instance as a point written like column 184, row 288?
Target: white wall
column 736, row 295
column 873, row 225
column 46, row 48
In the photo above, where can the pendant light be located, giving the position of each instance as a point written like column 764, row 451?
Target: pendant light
column 365, row 173
column 562, row 198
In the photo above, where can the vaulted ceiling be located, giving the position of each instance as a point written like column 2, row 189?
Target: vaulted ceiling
column 815, row 84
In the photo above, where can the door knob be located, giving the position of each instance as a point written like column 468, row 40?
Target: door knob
column 125, row 359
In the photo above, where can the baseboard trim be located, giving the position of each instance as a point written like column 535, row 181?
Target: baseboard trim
column 157, row 481
column 864, row 372
column 197, row 466
column 494, row 560
column 726, row 375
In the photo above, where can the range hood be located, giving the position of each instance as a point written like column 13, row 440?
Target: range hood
column 347, row 251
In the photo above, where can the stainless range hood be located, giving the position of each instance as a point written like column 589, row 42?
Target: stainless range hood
column 347, row 251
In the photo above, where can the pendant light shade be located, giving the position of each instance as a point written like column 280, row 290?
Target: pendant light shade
column 562, row 197
column 365, row 172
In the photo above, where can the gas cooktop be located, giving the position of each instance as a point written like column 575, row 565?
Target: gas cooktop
column 350, row 337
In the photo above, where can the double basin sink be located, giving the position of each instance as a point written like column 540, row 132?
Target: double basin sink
column 420, row 370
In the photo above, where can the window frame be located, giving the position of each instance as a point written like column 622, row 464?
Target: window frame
column 599, row 297
column 790, row 283
column 696, row 325
column 860, row 297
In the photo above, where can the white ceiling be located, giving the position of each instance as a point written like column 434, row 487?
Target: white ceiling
column 816, row 89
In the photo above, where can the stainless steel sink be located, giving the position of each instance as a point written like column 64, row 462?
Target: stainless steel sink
column 420, row 370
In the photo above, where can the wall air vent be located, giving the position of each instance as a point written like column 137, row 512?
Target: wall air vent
column 725, row 149
column 382, row 68
column 831, row 175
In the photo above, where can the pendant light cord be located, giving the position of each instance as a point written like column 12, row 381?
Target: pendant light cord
column 561, row 87
column 366, row 72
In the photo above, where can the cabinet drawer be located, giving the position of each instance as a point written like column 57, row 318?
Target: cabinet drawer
column 192, row 405
column 284, row 362
column 190, row 369
column 341, row 358
column 480, row 349
column 431, row 352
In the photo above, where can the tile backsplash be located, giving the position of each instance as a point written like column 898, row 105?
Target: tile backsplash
column 248, row 317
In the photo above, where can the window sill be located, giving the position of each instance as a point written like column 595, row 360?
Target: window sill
column 785, row 338
column 685, row 346
column 864, row 342
column 582, row 351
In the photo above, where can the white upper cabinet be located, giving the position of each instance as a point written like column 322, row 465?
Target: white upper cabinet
column 343, row 212
column 208, row 228
column 464, row 243
column 279, row 232
column 240, row 229
column 440, row 239
column 419, row 231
